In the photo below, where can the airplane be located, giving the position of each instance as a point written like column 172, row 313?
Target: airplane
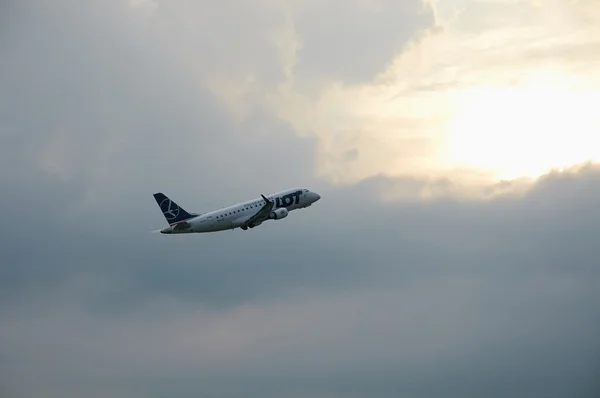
column 243, row 215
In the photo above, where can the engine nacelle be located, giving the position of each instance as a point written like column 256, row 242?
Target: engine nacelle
column 279, row 214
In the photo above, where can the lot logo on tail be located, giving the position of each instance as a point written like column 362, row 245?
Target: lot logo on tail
column 169, row 209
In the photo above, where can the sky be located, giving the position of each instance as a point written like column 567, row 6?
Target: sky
column 453, row 252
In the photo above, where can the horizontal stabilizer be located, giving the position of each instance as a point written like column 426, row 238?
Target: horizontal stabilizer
column 181, row 227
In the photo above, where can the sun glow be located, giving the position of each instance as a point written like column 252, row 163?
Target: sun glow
column 525, row 131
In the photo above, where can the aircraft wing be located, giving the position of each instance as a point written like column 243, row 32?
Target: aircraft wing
column 262, row 214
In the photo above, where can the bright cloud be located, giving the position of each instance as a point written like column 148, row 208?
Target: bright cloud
column 501, row 89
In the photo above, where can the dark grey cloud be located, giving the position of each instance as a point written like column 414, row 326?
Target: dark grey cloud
column 352, row 297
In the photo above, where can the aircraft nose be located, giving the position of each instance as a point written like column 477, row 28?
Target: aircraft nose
column 317, row 197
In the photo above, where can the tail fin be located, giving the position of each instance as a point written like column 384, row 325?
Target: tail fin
column 172, row 212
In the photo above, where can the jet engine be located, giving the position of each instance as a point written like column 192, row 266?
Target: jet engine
column 279, row 214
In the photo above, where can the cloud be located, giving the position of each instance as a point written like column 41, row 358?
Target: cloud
column 353, row 41
column 374, row 291
column 525, row 67
column 431, row 76
column 435, row 334
column 99, row 115
column 102, row 108
column 430, row 299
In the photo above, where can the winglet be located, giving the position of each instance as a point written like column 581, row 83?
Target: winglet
column 266, row 200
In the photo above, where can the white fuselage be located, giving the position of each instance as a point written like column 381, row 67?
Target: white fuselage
column 237, row 215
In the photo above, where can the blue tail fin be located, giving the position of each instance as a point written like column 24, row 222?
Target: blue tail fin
column 172, row 212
